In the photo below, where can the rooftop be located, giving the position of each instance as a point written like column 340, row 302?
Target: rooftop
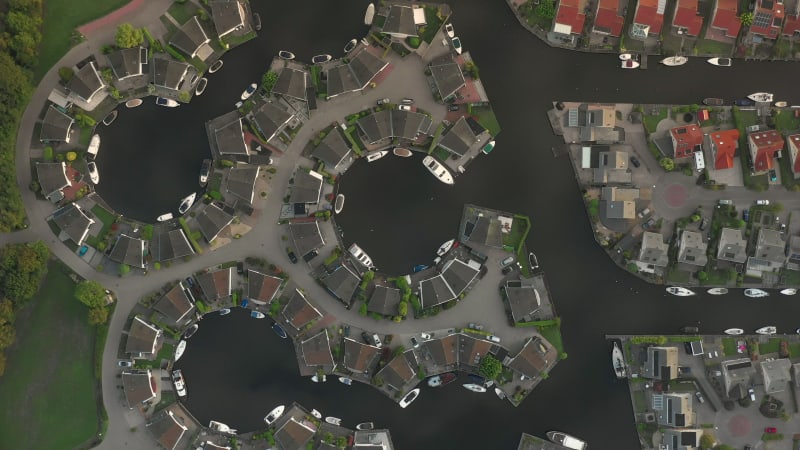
column 306, row 186
column 463, row 135
column 189, row 37
column 261, row 287
column 384, row 300
column 228, row 16
column 172, row 244
column 128, row 250
column 298, row 312
column 230, row 138
column 212, row 220
column 726, row 17
column 142, row 337
column 56, row 126
column 73, row 222
column 534, row 358
column 332, row 150
column 241, row 182
column 168, row 73
column 316, row 350
column 270, row 119
column 294, row 434
column 397, row 372
column 342, row 283
column 360, row 357
column 291, row 83
column 688, row 17
column 139, row 386
column 216, row 284
column 400, row 21
column 127, row 62
column 447, row 76
column 86, row 82
column 175, row 304
column 306, row 236
column 167, row 428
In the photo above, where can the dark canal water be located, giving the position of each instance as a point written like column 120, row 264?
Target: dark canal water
column 399, row 214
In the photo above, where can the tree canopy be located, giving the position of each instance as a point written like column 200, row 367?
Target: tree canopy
column 22, row 267
column 127, row 36
column 490, row 367
column 90, row 293
column 98, row 315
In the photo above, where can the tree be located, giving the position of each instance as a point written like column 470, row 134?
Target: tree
column 6, row 311
column 98, row 316
column 124, row 269
column 746, row 18
column 7, row 335
column 633, row 268
column 22, row 267
column 402, row 308
column 702, row 275
column 706, row 441
column 127, row 36
column 268, row 81
column 362, row 309
column 667, row 163
column 2, row 363
column 147, row 232
column 546, row 9
column 490, row 367
column 66, row 74
column 90, row 293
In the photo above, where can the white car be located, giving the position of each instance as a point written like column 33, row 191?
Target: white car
column 762, row 202
column 507, row 261
column 125, row 364
column 752, row 394
column 404, row 107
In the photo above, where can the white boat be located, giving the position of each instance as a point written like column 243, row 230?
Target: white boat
column 333, row 420
column 500, row 394
column 474, row 387
column 168, row 102
column 224, row 311
column 94, row 175
column 566, row 440
column 781, row 104
column 435, row 381
column 734, row 331
column 360, row 255
column 350, row 46
column 201, row 86
column 274, row 415
column 618, row 361
column 761, row 97
column 533, row 261
column 722, row 62
column 410, row 397
column 94, row 146
column 180, row 384
column 345, row 381
column 625, row 56
column 402, row 152
column 755, row 293
column 769, row 330
column 717, row 291
column 133, row 103
column 319, row 59
column 187, row 203
column 488, row 147
column 675, row 61
column 339, row 205
column 374, row 156
column 180, row 349
column 680, row 291
column 216, row 66
column 451, row 33
column 630, row 64
column 365, row 426
column 220, row 427
column 317, row 379
column 456, row 44
column 110, row 118
column 164, row 217
column 789, row 291
column 316, row 414
column 369, row 14
column 444, row 248
column 248, row 92
column 284, row 54
column 205, row 169
column 438, row 170
column 257, row 314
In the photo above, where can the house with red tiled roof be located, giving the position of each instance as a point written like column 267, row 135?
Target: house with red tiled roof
column 648, row 19
column 723, row 145
column 686, row 140
column 569, row 17
column 793, row 144
column 725, row 17
column 764, row 146
column 768, row 18
column 791, row 26
column 686, row 18
column 607, row 19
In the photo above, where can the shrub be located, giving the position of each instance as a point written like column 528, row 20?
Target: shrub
column 66, row 74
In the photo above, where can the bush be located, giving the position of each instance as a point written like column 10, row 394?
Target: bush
column 48, row 154
column 66, row 74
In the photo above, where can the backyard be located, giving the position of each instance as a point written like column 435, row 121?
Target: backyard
column 485, row 116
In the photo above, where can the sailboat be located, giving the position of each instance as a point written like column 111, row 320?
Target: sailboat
column 675, row 61
column 618, row 361
column 679, row 291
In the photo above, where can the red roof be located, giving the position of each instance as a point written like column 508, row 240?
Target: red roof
column 686, row 17
column 724, row 144
column 569, row 13
column 725, row 17
column 606, row 18
column 766, row 144
column 771, row 12
column 794, row 139
column 647, row 14
column 686, row 140
column 792, row 25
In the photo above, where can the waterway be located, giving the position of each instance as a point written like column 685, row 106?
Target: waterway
column 400, row 215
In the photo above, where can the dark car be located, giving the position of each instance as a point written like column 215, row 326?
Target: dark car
column 635, row 161
column 452, row 108
column 773, row 176
column 346, row 330
column 414, row 342
column 746, row 215
column 190, row 282
column 240, row 268
column 292, row 257
column 366, row 337
column 508, row 269
column 310, row 255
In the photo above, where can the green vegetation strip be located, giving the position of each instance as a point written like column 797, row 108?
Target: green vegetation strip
column 190, row 236
column 349, row 134
column 182, row 11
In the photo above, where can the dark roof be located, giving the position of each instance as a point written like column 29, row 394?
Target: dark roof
column 138, row 387
column 293, row 435
column 459, row 275
column 269, row 119
column 397, row 373
column 216, row 284
column 261, row 287
column 175, row 304
column 228, row 15
column 434, row 291
column 332, row 150
column 524, row 301
column 128, row 250
column 471, row 350
column 127, row 62
column 242, row 181
column 316, row 350
column 393, row 123
column 73, row 222
column 86, row 82
column 55, row 126
column 406, row 124
column 212, row 220
column 230, row 138
column 306, row 187
column 189, row 37
column 400, row 21
column 444, row 351
column 167, row 428
column 173, row 244
column 291, row 83
column 306, row 236
column 447, row 76
column 359, row 357
column 376, row 126
column 141, row 337
column 168, row 73
column 365, row 66
column 384, row 300
column 459, row 138
column 340, row 80
column 487, row 231
column 530, row 361
column 298, row 312
column 342, row 283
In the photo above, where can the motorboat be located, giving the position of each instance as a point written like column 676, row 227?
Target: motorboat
column 675, row 61
column 765, row 97
column 369, row 14
column 249, row 91
column 448, row 28
column 456, row 44
column 402, row 152
column 442, row 379
column 318, row 379
column 284, row 54
column 734, row 331
column 680, row 291
column 629, row 64
column 743, row 102
column 333, row 420
column 257, row 314
column 319, row 59
column 722, row 62
column 220, row 427
column 625, row 56
column 216, row 66
column 168, row 102
column 419, row 268
column 533, row 261
column 755, row 293
column 768, row 330
column 435, row 381
column 178, row 381
column 316, row 414
column 711, row 101
column 360, row 255
column 339, row 204
column 278, row 329
column 187, row 203
column 410, row 397
column 444, row 248
column 690, row 330
column 717, row 291
column 566, row 440
column 618, row 361
column 191, row 331
column 274, row 415
column 438, row 170
column 789, row 291
column 205, row 169
column 164, row 217
column 474, row 387
column 94, row 146
column 488, row 147
column 257, row 21
column 224, row 311
column 374, row 156
column 350, row 46
column 180, row 349
column 781, row 104
column 346, row 381
column 133, row 103
column 112, row 116
column 94, row 175
column 201, row 86
column 365, row 426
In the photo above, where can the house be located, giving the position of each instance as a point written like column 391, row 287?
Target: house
column 176, row 305
column 73, row 223
column 86, row 82
column 607, row 19
column 291, row 83
column 143, row 339
column 190, row 37
column 128, row 250
column 294, row 434
column 342, row 284
column 434, row 291
column 168, row 428
column 654, row 250
column 169, row 74
column 462, row 136
column 791, row 26
column 768, row 18
column 332, row 150
column 737, row 376
column 485, row 231
column 725, row 17
column 447, row 76
column 596, row 123
column 686, row 140
column 569, row 17
column 398, row 371
column 732, row 246
column 723, row 146
column 171, row 245
column 620, row 202
column 769, row 255
column 683, row 439
column 443, row 351
column 269, row 120
column 793, row 253
column 523, row 300
column 400, row 22
column 354, row 75
column 216, row 284
column 384, row 301
column 360, row 357
column 316, row 351
column 536, row 356
column 140, row 386
column 692, row 249
column 687, row 19
column 675, row 409
column 661, row 363
column 299, row 312
column 306, row 187
column 56, row 126
column 764, row 146
column 306, row 236
column 459, row 275
column 607, row 166
column 372, row 440
column 128, row 62
column 230, row 138
column 241, row 182
column 647, row 19
column 262, row 288
column 776, row 375
column 793, row 144
column 228, row 16
column 212, row 220
column 389, row 124
column 471, row 351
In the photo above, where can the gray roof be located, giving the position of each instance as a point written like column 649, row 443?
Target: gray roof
column 365, row 66
column 340, row 80
column 384, row 300
column 434, row 291
column 770, row 246
column 306, row 236
column 128, row 250
column 73, row 222
column 471, row 350
column 776, row 375
column 127, row 62
column 654, row 250
column 400, row 21
column 459, row 138
column 189, row 37
column 138, row 387
column 676, row 410
column 168, row 73
column 52, row 177
column 293, row 435
column 372, row 440
column 393, row 123
column 216, row 284
column 299, row 312
column 55, row 126
column 230, row 138
column 487, row 231
column 262, row 287
column 443, row 351
column 732, row 246
column 342, row 283
column 359, row 357
column 167, row 428
column 332, row 150
column 316, row 350
column 173, row 244
column 291, row 83
column 306, row 187
column 175, row 304
column 459, row 275
column 228, row 15
column 692, row 249
column 661, row 363
column 531, row 360
column 681, row 439
column 142, row 337
column 524, row 302
column 242, row 181
column 737, row 372
column 212, row 220
column 397, row 372
column 270, row 119
column 447, row 76
column 86, row 82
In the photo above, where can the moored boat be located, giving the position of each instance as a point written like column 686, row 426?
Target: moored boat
column 364, row 426
column 768, row 330
column 168, row 102
column 350, row 46
column 94, row 146
column 180, row 349
column 789, row 291
column 438, row 170
column 761, row 97
column 500, row 394
column 333, row 420
column 618, row 361
column 112, row 116
column 717, row 291
column 755, row 293
column 220, row 427
column 374, row 156
column 781, row 104
column 274, row 415
column 216, row 66
column 339, row 205
column 679, row 291
column 278, row 329
column 285, row 54
column 419, row 268
column 456, row 44
column 444, row 248
column 360, row 255
column 133, row 103
column 187, row 203
column 318, row 379
column 249, row 91
column 178, row 381
column 319, row 59
column 734, row 331
column 94, row 175
column 488, row 147
column 402, row 152
column 625, row 56
column 711, row 101
column 257, row 314
column 201, row 86
column 316, row 414
column 629, row 64
column 435, row 381
column 674, row 61
column 474, row 387
column 566, row 440
column 224, row 311
column 451, row 32
column 346, row 381
column 533, row 261
column 410, row 397
column 722, row 62
column 369, row 14
column 205, row 169
column 164, row 217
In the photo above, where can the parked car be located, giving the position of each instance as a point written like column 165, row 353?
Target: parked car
column 507, row 261
column 699, row 396
column 404, row 107
column 783, row 228
column 383, row 101
column 425, row 336
column 752, row 394
column 407, row 101
column 650, row 222
column 507, row 269
column 746, row 215
column 292, row 257
column 452, row 108
column 125, row 364
column 635, row 161
column 773, row 176
column 190, row 282
column 726, row 202
column 643, row 213
column 346, row 330
column 376, row 340
column 770, row 430
column 366, row 337
column 240, row 268
column 703, row 224
column 414, row 342
column 762, row 202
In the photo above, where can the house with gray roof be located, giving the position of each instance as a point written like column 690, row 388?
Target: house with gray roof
column 392, row 123
column 212, row 220
column 73, row 222
column 86, row 82
column 360, row 357
column 306, row 236
column 596, row 123
column 52, row 179
column 189, row 37
column 793, row 253
column 461, row 136
column 128, row 62
column 171, row 245
column 168, row 428
column 471, row 351
column 316, row 351
column 299, row 312
column 342, row 284
column 332, row 150
column 228, row 16
column 769, row 255
column 291, row 83
column 732, row 246
column 306, row 187
column 216, row 284
column 776, row 375
column 654, row 250
column 485, row 230
column 620, row 203
column 143, row 339
column 675, row 411
column 270, row 119
column 443, row 351
column 262, row 288
column 384, row 300
column 176, row 305
column 737, row 376
column 459, row 275
column 661, row 363
column 168, row 73
column 692, row 249
column 536, row 356
column 56, row 126
column 139, row 386
column 434, row 291
column 608, row 167
column 683, row 439
column 128, row 250
column 230, row 138
column 397, row 372
column 294, row 434
column 372, row 440
column 355, row 75
column 341, row 80
column 523, row 300
column 377, row 126
column 447, row 76
column 241, row 182
column 400, row 22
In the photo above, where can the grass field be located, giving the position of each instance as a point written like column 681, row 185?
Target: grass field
column 48, row 389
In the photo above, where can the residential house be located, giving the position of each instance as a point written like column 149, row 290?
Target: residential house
column 536, row 357
column 355, row 75
column 687, row 20
column 212, row 220
column 360, row 357
column 128, row 62
column 316, row 351
column 676, row 409
column 140, row 386
column 216, row 284
column 306, row 236
column 459, row 275
column 86, row 82
column 793, row 253
column 737, row 376
column 372, row 440
column 570, row 17
column 171, row 245
column 168, row 428
column 434, row 291
column 342, row 284
column 723, row 146
column 596, row 123
column 683, row 439
column 686, row 140
column 768, row 18
column 398, row 371
column 791, row 26
column 332, row 150
column 648, row 18
column 764, row 147
column 607, row 18
column 384, row 301
column 143, row 339
column 462, row 136
column 262, row 288
column 176, row 305
column 769, row 255
column 523, row 300
column 169, row 74
column 388, row 124
column 620, row 202
column 128, row 250
column 291, row 83
column 793, row 144
column 241, row 182
column 52, row 179
column 56, row 126
column 400, row 22
column 692, row 249
column 608, row 167
column 725, row 17
column 471, row 351
column 299, row 312
column 485, row 231
column 230, row 138
column 732, row 246
column 776, row 375
column 306, row 187
column 190, row 37
column 269, row 119
column 654, row 251
column 73, row 223
column 444, row 351
column 294, row 434
column 661, row 363
column 447, row 76
column 228, row 16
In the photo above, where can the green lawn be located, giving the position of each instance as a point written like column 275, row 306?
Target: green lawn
column 107, row 219
column 729, row 347
column 61, row 17
column 485, row 116
column 639, row 401
column 785, row 121
column 182, row 12
column 48, row 391
column 432, row 25
column 553, row 335
column 770, row 347
column 712, row 47
column 517, row 233
column 651, row 122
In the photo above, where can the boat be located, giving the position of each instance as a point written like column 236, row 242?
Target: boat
column 722, row 62
column 350, row 46
column 285, row 54
column 768, row 330
column 419, row 268
column 374, row 156
column 369, row 14
column 333, row 420
column 187, row 203
column 248, row 92
column 224, row 311
column 734, row 331
column 345, row 381
column 402, row 152
column 533, row 261
column 717, row 291
column 278, row 329
column 566, row 440
column 474, row 387
column 257, row 21
column 456, row 44
column 216, row 66
column 675, row 61
column 438, row 170
column 339, row 205
column 618, row 361
column 630, row 64
column 201, row 86
column 365, row 426
column 180, row 349
column 500, row 394
column 447, row 378
column 191, row 331
column 451, row 33
column 274, row 415
column 435, row 381
column 789, row 291
column 761, row 97
column 690, row 330
column 680, row 291
column 755, row 293
column 625, row 56
column 133, row 103
column 316, row 414
column 317, row 379
column 319, row 59
column 205, row 169
column 744, row 102
column 168, row 102
column 94, row 175
column 164, row 217
column 220, row 427
column 94, row 146
column 410, row 397
column 781, row 104
column 444, row 248
column 257, row 314
column 488, row 147
column 360, row 255
column 711, row 101
column 112, row 116
column 180, row 384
